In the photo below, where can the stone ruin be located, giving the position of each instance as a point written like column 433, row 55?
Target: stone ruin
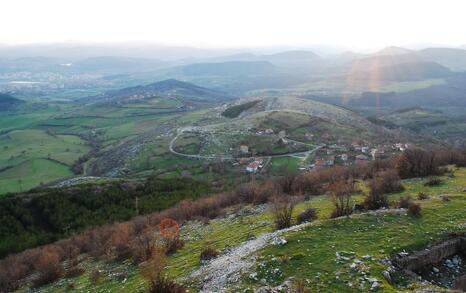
column 443, row 264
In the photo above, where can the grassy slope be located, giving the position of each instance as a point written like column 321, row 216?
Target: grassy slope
column 35, row 157
column 31, row 173
column 312, row 250
column 22, row 145
column 378, row 236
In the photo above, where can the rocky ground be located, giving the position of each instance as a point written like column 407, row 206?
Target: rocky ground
column 446, row 272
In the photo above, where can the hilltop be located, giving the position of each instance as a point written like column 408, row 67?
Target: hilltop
column 171, row 88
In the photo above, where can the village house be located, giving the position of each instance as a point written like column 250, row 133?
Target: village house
column 344, row 157
column 324, row 162
column 362, row 158
column 244, row 161
column 330, row 160
column 244, row 149
column 377, row 153
column 252, row 167
column 319, row 164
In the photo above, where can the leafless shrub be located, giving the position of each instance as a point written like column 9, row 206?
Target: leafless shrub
column 404, row 202
column 208, row 253
column 384, row 182
column 433, row 181
column 422, row 196
column 142, row 247
column 48, row 266
column 95, row 277
column 282, row 209
column 341, row 193
column 308, row 215
column 414, row 209
column 299, row 286
column 418, row 163
column 74, row 271
column 154, row 272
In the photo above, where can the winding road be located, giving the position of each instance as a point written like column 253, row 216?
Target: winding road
column 224, row 157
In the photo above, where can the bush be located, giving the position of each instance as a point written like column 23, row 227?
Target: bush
column 282, row 208
column 48, row 266
column 384, row 182
column 299, row 286
column 208, row 253
column 341, row 193
column 419, row 163
column 375, row 201
column 154, row 272
column 172, row 245
column 95, row 277
column 433, row 181
column 170, row 231
column 404, row 202
column 163, row 284
column 307, row 216
column 414, row 209
column 422, row 196
column 74, row 271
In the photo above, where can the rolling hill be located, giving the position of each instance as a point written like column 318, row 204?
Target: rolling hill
column 455, row 59
column 8, row 102
column 300, row 116
column 167, row 88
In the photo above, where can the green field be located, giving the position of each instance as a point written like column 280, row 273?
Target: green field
column 22, row 145
column 31, row 173
column 30, row 157
column 407, row 86
column 278, row 165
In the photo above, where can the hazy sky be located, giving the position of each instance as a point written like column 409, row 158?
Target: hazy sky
column 236, row 23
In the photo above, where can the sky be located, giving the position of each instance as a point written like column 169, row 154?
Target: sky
column 236, row 23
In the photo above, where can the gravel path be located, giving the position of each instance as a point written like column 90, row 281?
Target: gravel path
column 229, row 267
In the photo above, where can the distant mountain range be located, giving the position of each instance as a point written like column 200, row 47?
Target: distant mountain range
column 114, row 64
column 231, row 68
column 286, row 58
column 392, row 50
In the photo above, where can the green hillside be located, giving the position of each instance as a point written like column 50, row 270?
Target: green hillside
column 309, row 252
